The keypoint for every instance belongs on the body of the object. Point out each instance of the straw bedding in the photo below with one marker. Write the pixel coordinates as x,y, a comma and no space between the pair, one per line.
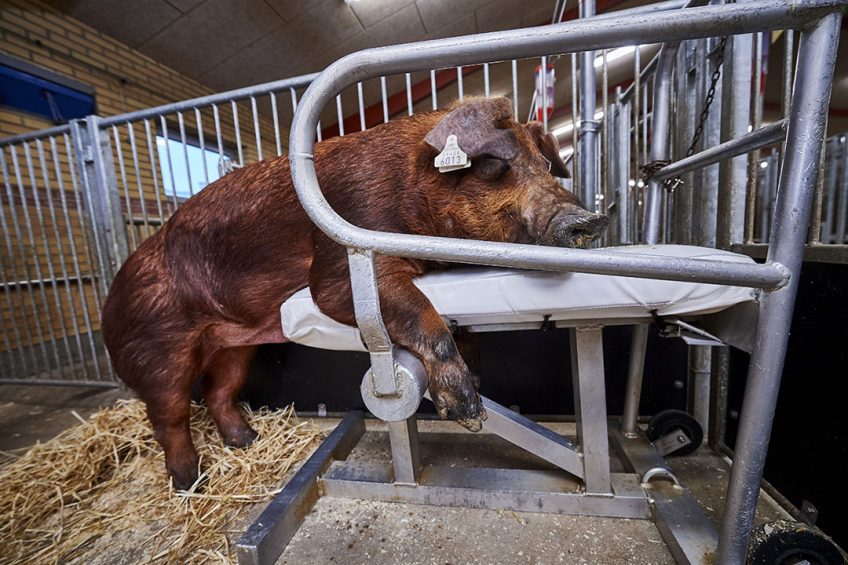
98,493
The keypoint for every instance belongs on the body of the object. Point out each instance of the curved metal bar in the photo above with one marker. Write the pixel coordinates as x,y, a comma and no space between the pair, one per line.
592,33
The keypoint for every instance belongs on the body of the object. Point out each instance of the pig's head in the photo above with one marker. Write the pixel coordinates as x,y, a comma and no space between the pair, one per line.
510,192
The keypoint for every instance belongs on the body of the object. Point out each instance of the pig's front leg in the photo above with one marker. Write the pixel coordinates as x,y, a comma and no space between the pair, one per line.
412,323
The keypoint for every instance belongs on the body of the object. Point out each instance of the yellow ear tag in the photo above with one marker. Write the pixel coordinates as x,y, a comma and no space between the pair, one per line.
451,158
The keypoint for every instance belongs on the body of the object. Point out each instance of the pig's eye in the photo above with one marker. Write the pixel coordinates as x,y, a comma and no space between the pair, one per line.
490,168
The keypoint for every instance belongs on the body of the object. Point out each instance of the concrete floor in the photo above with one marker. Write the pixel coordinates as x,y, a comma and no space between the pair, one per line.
354,531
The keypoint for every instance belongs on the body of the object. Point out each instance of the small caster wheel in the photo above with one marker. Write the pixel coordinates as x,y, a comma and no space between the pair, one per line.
665,422
789,543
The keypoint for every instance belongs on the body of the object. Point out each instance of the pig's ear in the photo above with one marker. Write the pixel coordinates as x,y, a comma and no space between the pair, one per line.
481,126
547,144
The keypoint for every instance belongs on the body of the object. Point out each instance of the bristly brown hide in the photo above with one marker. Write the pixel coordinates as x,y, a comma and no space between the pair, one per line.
199,295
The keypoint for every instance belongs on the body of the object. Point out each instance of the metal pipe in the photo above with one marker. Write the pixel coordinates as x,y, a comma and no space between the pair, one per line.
588,155
756,112
119,151
340,115
360,96
459,83
433,94
660,140
486,89
219,98
735,112
843,196
763,137
635,371
575,101
256,129
758,15
181,123
153,168
237,129
385,100
514,88
276,117
646,73
137,168
167,139
808,116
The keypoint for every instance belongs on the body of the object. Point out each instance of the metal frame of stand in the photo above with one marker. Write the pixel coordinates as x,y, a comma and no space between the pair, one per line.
689,535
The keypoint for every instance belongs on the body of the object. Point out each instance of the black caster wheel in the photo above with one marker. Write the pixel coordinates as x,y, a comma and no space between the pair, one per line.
790,543
665,422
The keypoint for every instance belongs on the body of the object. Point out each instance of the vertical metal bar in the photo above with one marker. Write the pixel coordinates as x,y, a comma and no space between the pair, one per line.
788,74
433,93
830,192
256,130
97,172
635,372
663,78
340,115
575,122
459,83
361,99
293,100
624,189
318,133
234,107
842,218
605,161
486,88
185,151
408,78
49,333
63,268
276,117
30,342
154,170
756,112
167,139
119,150
406,458
86,314
385,99
735,111
13,372
808,118
515,87
202,141
91,258
141,198
544,83
588,157
817,226
590,407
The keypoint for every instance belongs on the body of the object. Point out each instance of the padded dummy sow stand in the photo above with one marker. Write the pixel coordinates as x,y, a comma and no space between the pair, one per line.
689,535
494,299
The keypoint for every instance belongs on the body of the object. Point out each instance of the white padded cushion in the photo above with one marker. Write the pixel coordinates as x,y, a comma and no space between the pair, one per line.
490,295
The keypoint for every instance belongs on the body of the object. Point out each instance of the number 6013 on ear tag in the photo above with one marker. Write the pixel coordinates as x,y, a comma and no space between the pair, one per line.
451,158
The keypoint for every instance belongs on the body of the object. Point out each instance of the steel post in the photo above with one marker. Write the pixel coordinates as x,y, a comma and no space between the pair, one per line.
100,186
808,117
635,371
735,112
587,154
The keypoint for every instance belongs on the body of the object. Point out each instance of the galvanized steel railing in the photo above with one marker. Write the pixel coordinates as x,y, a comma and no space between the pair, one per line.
819,23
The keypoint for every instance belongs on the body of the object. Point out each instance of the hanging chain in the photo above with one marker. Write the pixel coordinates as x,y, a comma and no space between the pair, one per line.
650,169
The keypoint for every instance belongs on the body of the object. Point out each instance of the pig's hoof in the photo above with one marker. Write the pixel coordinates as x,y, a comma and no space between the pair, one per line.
470,414
184,480
240,438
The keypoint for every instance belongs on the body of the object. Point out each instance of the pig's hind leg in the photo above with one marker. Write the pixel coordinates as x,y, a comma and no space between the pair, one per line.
224,378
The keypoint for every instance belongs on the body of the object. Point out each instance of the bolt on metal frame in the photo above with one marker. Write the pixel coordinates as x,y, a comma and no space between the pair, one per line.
818,22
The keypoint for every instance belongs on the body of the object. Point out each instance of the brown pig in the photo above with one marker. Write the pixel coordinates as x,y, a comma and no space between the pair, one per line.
196,298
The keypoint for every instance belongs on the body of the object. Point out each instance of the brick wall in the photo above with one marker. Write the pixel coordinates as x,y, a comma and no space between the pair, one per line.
125,80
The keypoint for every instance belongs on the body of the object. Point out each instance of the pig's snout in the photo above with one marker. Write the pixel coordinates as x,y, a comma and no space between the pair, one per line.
576,230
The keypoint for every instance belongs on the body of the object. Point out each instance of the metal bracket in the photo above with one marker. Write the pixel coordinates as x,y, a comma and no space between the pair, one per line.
671,442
